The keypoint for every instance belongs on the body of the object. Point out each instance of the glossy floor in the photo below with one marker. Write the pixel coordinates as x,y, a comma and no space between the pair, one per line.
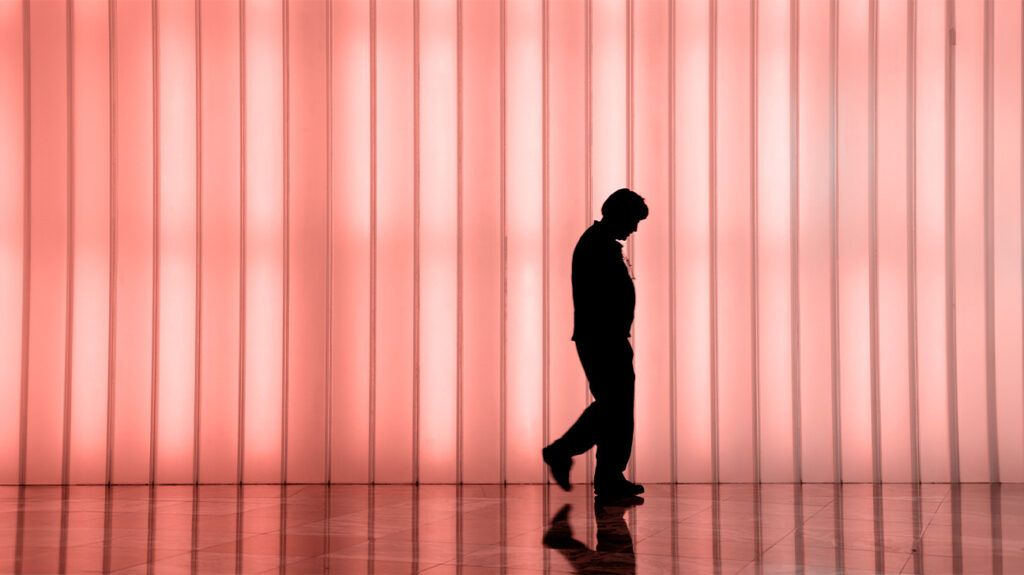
518,529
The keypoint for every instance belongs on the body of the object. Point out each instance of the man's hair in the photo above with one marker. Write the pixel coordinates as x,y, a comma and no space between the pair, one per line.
625,203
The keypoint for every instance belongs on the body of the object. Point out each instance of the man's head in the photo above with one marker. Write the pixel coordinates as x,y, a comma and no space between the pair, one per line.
622,211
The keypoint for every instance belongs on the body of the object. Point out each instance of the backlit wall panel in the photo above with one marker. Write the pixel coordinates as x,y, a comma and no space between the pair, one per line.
47,307
691,159
13,157
892,210
1007,66
936,423
330,240
129,404
438,245
352,44
91,231
525,241
774,415
814,263
263,229
220,248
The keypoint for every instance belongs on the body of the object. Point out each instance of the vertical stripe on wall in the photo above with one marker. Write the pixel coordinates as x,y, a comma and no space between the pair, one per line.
286,244
912,344
876,427
434,158
460,290
713,236
329,296
673,364
755,372
112,251
154,341
952,402
69,73
242,184
833,204
503,239
197,373
794,236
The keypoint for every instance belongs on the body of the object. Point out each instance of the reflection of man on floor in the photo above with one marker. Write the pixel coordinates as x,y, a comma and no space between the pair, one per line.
603,301
614,553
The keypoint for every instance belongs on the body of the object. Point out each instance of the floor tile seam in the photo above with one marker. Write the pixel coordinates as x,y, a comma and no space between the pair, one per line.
761,554
919,537
147,562
853,547
820,509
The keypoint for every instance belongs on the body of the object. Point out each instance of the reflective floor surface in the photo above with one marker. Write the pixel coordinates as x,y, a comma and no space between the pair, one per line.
516,529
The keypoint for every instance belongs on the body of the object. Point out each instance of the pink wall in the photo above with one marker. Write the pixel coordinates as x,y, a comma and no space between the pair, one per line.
314,241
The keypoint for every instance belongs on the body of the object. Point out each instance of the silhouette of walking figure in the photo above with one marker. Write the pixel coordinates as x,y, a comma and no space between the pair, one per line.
603,302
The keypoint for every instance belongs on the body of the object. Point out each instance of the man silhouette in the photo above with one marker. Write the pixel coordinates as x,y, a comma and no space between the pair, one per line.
603,301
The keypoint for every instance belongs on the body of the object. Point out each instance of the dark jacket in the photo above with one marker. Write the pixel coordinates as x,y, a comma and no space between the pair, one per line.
602,290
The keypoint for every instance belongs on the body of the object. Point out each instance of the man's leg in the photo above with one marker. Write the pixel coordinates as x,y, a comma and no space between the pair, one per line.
616,395
615,442
580,437
584,433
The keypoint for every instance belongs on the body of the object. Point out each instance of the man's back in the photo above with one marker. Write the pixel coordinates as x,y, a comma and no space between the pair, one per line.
602,290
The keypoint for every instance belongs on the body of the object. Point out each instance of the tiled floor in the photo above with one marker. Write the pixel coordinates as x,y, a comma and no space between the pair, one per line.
516,530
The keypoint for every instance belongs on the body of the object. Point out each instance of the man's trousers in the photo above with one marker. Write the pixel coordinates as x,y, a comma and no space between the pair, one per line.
608,421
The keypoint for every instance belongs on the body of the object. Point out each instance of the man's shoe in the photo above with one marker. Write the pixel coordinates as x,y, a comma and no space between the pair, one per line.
560,464
617,488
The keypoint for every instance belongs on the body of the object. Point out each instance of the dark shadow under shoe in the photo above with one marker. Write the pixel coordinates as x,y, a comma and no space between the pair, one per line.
560,464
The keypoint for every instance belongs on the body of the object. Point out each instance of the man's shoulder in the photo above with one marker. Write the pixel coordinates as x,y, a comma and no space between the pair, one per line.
593,238
594,251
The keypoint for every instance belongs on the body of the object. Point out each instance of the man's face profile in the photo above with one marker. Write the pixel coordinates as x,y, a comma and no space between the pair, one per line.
621,228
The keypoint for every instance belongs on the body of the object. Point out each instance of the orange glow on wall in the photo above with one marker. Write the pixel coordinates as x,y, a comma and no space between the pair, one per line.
330,240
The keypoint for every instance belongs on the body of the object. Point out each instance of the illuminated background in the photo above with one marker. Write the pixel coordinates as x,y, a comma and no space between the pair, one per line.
312,242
